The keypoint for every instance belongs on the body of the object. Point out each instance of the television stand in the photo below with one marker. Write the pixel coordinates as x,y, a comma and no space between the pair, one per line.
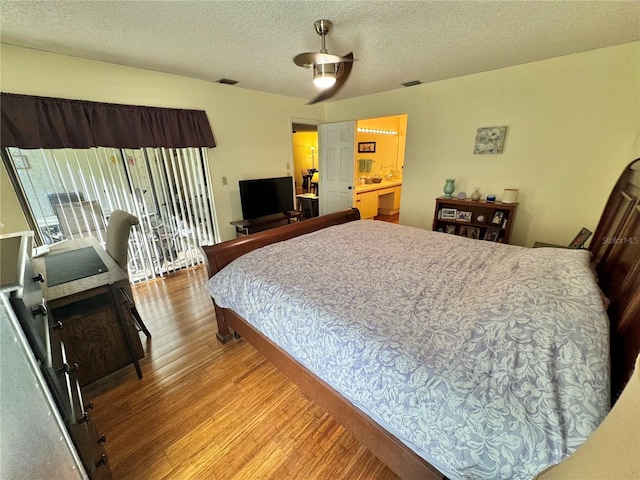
253,225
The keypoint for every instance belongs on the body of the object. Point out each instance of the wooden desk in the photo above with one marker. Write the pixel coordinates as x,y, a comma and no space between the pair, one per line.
98,330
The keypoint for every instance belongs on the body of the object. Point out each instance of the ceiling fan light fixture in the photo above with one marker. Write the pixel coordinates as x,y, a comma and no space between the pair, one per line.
324,75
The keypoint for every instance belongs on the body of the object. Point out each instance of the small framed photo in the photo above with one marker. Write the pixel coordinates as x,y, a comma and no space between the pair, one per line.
463,216
492,234
473,233
366,147
451,229
449,214
498,217
582,237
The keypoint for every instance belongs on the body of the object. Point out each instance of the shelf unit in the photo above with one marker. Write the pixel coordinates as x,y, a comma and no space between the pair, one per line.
483,220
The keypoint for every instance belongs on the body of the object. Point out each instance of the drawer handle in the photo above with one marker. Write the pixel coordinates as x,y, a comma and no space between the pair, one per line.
58,325
102,439
84,418
89,406
102,461
39,278
40,310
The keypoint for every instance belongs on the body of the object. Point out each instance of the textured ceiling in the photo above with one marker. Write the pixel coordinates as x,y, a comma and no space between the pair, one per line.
254,42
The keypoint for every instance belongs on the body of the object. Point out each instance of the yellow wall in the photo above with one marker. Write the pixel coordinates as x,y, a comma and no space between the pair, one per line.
302,144
572,124
388,157
252,129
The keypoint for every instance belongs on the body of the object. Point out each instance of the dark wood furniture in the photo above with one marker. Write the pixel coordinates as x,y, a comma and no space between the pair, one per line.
481,225
57,375
253,225
99,331
616,251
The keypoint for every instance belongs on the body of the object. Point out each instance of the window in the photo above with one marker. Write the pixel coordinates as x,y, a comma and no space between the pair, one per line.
70,193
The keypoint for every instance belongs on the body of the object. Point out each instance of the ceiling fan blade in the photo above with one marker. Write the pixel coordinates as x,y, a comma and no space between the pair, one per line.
318,58
343,73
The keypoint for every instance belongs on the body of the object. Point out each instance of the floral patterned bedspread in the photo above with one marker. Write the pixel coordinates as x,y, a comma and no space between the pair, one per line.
488,360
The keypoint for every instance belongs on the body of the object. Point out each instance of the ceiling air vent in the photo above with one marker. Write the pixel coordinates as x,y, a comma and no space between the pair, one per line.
411,84
226,81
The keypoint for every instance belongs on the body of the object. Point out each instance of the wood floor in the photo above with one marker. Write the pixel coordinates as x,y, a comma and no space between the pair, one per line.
204,410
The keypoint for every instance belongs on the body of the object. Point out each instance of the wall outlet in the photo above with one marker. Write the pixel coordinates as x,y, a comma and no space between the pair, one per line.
224,180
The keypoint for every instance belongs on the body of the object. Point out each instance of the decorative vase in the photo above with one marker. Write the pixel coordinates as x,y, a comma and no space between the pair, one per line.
476,194
448,187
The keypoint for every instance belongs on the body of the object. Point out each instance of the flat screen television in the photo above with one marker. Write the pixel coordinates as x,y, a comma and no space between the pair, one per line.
266,196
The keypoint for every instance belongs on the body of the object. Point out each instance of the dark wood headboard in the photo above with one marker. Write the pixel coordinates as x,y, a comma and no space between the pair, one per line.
616,254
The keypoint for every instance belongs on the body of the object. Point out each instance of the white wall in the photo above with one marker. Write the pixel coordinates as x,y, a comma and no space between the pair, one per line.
252,129
573,124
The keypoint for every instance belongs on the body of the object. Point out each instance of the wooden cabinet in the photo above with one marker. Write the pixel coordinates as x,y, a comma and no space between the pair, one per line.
383,198
367,203
479,220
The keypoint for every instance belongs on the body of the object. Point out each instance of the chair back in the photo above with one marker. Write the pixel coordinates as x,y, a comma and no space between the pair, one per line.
118,230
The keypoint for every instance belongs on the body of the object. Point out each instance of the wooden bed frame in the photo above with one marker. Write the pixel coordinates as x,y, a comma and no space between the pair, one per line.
616,253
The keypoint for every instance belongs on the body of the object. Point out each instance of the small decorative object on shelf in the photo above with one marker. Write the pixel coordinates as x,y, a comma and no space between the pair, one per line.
462,195
448,187
491,198
475,196
510,195
481,219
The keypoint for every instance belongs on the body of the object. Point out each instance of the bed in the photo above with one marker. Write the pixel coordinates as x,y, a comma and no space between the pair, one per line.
445,356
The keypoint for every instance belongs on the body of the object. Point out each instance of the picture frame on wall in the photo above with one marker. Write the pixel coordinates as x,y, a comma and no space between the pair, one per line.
366,147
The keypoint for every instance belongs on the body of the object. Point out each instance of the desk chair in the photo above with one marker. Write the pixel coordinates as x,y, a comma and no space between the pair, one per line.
118,231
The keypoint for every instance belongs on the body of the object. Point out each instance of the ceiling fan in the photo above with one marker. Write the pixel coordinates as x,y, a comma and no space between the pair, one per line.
329,71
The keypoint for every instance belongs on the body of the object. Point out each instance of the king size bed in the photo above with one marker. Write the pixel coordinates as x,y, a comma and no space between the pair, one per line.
445,356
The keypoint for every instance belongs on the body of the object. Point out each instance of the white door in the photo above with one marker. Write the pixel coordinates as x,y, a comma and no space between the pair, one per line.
336,165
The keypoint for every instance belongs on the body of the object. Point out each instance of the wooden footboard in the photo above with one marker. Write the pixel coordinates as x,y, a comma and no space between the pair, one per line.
220,255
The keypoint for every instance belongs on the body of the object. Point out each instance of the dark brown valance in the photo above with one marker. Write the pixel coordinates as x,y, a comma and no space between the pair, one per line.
42,122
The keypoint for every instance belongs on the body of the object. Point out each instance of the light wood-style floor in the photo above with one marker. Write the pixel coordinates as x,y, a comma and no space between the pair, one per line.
204,410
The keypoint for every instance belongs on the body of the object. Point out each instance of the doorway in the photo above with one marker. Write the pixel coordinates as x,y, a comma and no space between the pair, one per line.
304,147
379,142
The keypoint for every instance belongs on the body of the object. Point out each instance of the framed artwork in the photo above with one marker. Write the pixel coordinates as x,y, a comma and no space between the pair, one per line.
492,234
450,229
366,147
582,237
463,216
448,214
490,140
